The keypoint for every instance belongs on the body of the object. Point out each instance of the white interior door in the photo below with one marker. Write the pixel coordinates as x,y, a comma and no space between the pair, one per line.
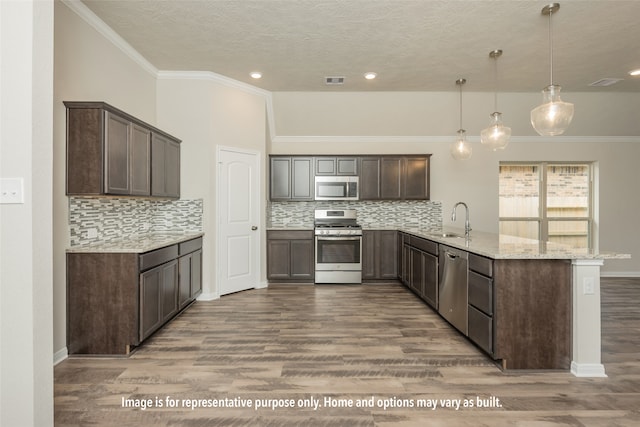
238,220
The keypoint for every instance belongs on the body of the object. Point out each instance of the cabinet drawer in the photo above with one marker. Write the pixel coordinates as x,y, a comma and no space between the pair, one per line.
481,292
290,234
159,256
424,245
190,246
481,264
481,329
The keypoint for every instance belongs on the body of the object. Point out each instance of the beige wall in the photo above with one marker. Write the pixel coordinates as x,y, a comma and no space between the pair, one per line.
438,113
205,113
387,123
88,67
26,92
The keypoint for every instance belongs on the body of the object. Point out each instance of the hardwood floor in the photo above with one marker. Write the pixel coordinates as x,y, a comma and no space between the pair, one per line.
338,345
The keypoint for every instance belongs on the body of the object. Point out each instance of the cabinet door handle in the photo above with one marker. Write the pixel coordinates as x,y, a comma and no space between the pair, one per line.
254,228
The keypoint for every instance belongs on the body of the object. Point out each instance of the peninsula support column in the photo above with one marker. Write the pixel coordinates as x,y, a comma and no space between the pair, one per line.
587,347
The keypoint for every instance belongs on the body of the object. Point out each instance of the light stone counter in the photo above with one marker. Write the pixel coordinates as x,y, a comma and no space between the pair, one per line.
501,246
491,245
135,244
290,228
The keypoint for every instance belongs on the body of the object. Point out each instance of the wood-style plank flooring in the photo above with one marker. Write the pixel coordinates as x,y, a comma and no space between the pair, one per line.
291,343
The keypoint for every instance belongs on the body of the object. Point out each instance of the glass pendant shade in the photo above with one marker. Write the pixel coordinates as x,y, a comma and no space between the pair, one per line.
554,115
496,136
461,149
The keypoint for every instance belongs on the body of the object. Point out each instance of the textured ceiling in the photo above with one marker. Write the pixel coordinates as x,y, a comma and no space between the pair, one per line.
413,45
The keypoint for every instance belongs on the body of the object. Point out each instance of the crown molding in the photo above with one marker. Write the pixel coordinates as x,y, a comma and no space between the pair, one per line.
227,82
447,139
100,26
213,77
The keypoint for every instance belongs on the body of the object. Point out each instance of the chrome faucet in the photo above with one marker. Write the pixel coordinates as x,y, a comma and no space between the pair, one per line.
467,225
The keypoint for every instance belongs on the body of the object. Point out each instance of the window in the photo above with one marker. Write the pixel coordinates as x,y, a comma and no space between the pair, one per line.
551,202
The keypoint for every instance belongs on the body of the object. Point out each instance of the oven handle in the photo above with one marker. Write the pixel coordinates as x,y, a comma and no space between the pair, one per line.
338,238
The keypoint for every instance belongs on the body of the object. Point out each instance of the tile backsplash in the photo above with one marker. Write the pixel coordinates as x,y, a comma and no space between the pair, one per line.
371,214
108,219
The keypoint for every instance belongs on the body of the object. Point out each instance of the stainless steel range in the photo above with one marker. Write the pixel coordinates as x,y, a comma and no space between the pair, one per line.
338,246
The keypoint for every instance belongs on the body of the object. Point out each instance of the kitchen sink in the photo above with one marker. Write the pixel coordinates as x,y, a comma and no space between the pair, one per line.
460,236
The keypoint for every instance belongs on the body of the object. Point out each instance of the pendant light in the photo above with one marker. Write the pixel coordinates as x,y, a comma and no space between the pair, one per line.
461,149
553,116
496,136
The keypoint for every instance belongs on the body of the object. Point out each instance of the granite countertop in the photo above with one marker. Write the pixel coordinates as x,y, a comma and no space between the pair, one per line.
298,227
496,246
135,244
501,246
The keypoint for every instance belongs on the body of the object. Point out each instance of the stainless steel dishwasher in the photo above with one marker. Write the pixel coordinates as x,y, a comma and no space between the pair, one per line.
453,296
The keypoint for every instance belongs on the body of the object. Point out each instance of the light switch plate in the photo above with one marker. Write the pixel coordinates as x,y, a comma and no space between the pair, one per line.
11,190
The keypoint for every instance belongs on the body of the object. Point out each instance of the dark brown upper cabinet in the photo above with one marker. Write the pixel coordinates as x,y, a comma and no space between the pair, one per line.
337,166
291,178
110,152
165,167
381,177
394,177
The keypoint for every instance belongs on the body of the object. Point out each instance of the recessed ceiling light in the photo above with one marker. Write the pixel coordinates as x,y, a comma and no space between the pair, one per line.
370,75
256,74
635,72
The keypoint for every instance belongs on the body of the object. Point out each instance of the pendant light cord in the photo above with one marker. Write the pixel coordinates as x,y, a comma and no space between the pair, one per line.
495,83
550,49
460,105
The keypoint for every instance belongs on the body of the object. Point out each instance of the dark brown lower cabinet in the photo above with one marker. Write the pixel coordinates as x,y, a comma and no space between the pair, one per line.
430,286
420,268
158,297
290,256
379,255
189,278
116,300
481,329
480,298
416,281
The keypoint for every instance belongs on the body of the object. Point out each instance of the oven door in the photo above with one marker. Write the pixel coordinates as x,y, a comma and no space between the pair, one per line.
338,253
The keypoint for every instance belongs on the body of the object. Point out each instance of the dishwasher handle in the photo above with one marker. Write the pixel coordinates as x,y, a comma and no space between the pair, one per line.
450,255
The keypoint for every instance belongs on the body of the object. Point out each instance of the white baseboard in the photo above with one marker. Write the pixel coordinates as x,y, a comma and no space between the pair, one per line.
588,370
262,285
208,296
619,273
60,355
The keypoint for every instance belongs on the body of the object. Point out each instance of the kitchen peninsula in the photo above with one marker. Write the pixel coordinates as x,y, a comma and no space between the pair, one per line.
543,299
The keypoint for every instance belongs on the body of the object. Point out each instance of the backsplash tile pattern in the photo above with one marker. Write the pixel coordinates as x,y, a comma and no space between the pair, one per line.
117,218
424,214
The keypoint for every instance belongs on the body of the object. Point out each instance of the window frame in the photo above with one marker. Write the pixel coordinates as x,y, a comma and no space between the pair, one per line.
543,218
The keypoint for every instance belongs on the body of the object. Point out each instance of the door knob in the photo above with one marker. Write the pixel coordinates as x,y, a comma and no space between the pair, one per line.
254,228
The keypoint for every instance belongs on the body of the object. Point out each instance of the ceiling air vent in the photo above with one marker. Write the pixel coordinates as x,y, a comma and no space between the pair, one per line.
605,82
334,80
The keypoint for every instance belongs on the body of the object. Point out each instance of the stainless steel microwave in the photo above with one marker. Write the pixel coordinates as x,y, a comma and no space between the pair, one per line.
336,188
